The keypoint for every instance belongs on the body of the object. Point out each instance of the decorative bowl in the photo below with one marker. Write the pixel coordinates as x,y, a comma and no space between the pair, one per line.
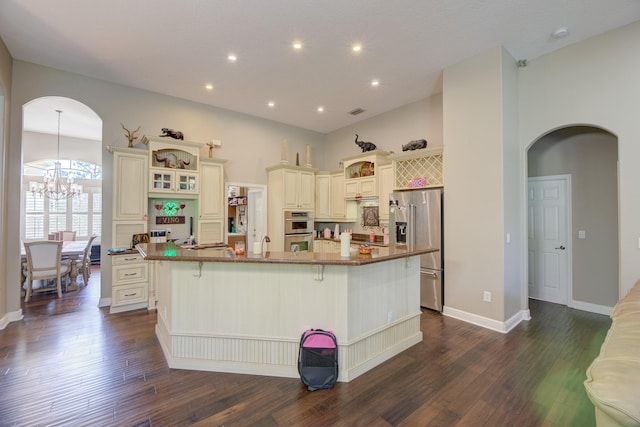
365,250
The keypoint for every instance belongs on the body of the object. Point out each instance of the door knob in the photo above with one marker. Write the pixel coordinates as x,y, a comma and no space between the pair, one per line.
561,248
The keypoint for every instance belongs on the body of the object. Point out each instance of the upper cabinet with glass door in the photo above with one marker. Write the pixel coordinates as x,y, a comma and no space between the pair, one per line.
173,167
361,174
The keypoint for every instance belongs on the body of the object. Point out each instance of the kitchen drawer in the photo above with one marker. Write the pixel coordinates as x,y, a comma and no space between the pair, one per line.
123,274
129,294
126,259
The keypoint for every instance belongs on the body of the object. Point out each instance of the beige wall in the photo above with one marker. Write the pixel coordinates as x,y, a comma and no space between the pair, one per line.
596,83
515,298
590,156
389,131
40,146
249,143
476,140
6,63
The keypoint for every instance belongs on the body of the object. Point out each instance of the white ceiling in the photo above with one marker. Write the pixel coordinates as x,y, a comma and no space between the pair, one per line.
175,47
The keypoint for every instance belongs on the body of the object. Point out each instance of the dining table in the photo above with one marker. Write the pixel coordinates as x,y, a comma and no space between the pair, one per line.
71,250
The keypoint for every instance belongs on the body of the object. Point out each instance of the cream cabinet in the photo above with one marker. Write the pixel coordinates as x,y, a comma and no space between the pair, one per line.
130,282
361,174
326,246
320,246
293,185
170,182
424,166
290,188
211,203
173,167
360,187
323,197
338,204
129,184
299,189
385,186
331,204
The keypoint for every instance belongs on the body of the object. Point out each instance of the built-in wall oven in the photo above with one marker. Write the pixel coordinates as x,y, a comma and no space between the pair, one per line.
298,231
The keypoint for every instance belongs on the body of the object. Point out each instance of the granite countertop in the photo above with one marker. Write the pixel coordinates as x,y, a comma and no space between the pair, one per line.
123,252
171,252
357,241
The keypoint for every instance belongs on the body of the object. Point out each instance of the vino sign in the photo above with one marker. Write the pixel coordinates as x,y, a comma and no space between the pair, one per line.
168,220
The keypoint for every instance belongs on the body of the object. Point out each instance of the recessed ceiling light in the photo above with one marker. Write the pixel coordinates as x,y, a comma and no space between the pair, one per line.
232,57
297,45
375,83
356,47
208,86
271,104
560,33
320,109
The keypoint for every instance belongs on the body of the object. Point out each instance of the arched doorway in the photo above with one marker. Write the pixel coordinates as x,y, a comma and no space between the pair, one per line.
65,131
588,155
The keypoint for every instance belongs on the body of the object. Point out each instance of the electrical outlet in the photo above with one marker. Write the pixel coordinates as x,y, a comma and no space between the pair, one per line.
487,296
390,317
169,230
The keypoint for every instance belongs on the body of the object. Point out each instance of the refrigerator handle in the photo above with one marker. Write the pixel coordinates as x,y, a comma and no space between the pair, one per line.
411,226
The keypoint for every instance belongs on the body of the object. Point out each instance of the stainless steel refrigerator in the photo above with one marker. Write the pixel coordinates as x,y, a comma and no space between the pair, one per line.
416,217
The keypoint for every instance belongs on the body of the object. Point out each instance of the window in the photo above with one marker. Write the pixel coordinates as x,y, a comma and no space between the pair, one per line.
81,214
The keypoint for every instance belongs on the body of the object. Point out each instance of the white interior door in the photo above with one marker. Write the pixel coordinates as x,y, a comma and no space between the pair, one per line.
256,220
256,208
549,218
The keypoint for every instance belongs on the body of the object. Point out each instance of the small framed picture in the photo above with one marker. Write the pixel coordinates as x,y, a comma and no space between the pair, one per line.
370,217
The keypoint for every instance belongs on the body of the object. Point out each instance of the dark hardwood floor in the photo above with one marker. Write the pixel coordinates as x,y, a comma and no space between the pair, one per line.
70,363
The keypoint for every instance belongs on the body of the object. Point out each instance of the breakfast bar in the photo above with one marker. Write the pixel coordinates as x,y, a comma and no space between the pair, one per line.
218,311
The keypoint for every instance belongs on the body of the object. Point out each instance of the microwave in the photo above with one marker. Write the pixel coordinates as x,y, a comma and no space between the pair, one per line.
296,222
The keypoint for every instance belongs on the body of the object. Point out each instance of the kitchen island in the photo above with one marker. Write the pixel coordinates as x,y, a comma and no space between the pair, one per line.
245,314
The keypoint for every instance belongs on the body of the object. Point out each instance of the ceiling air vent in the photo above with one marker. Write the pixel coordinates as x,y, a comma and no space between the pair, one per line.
356,111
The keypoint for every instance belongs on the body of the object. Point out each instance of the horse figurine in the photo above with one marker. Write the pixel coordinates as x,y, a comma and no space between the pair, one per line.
366,146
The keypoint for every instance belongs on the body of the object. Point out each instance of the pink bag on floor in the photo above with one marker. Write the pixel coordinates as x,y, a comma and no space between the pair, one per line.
318,359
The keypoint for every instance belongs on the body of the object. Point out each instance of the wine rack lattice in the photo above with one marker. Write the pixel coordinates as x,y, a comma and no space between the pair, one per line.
428,167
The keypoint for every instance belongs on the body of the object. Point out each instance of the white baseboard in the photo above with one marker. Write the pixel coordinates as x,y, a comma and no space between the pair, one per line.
593,308
128,307
11,316
485,322
104,302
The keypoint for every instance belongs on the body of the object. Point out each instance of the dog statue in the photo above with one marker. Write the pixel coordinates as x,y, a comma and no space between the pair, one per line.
366,146
175,134
416,144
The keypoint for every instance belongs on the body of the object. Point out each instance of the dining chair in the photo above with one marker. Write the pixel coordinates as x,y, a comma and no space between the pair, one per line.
44,262
68,236
84,263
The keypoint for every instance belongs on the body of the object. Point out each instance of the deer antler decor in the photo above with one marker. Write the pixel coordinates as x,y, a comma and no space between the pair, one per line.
131,135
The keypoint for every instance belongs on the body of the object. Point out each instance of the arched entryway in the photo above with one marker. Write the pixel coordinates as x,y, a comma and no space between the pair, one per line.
588,156
59,130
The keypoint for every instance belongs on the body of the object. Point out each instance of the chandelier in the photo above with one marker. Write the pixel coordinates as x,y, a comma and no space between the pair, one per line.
55,186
